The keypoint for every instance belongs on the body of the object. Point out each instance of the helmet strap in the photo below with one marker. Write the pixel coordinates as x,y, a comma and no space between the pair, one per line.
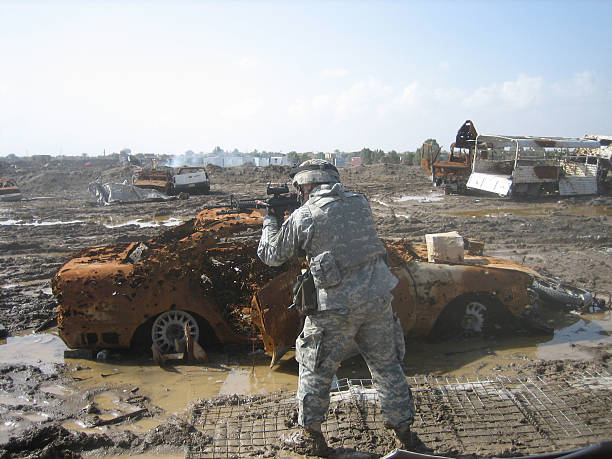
301,199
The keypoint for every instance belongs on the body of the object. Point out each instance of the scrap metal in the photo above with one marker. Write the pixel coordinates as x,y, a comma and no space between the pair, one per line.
208,267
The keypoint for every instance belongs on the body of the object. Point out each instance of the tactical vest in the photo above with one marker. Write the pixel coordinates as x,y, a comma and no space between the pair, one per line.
345,234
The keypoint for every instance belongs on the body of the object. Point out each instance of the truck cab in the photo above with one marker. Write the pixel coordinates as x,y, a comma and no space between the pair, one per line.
191,179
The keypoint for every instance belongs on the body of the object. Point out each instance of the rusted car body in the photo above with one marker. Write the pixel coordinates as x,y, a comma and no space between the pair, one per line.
454,172
9,191
154,179
205,274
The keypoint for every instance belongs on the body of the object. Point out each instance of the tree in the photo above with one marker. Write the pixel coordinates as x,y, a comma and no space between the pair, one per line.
366,156
293,157
378,156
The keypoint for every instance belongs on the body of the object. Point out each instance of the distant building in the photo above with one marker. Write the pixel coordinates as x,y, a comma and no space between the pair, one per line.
261,162
356,161
278,160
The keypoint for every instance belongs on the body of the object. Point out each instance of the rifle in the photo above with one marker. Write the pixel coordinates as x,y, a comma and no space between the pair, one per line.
280,202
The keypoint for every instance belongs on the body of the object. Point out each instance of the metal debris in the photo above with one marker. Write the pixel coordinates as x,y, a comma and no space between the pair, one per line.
486,416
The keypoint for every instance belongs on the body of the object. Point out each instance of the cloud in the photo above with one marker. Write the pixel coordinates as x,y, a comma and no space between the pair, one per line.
409,96
579,85
522,92
363,97
322,101
449,95
334,73
519,93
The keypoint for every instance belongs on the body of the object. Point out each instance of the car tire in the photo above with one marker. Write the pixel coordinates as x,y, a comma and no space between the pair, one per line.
561,293
169,326
473,316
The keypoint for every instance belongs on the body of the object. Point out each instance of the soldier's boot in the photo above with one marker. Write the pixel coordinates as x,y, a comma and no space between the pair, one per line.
403,434
306,440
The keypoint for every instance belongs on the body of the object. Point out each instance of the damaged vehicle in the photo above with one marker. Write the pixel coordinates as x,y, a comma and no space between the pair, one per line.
191,179
453,172
153,179
520,166
205,277
9,191
525,166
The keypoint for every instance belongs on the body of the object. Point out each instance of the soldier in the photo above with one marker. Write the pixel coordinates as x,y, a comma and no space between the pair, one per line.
336,231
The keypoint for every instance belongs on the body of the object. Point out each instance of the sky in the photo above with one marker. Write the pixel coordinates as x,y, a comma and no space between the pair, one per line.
170,76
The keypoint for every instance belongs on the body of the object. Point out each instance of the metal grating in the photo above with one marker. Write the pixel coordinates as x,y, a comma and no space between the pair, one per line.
484,416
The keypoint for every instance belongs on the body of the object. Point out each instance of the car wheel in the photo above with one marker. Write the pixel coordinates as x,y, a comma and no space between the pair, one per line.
473,320
472,316
169,326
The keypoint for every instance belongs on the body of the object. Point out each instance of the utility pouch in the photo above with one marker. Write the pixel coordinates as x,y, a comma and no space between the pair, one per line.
305,294
325,270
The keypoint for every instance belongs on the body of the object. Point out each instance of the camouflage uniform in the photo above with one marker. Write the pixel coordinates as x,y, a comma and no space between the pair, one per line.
336,230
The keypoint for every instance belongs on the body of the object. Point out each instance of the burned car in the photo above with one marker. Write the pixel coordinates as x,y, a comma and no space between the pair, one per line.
205,276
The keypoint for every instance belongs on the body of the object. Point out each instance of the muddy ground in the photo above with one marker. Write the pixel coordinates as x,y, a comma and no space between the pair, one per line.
568,238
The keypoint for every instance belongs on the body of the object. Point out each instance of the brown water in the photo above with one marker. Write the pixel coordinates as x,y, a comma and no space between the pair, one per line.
174,388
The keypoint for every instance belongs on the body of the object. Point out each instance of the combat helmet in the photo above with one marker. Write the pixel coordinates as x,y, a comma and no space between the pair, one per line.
314,171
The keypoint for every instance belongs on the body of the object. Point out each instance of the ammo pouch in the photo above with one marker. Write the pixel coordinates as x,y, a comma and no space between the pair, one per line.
325,270
305,294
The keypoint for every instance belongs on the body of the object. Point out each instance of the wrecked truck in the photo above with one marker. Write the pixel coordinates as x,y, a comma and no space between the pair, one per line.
526,166
204,276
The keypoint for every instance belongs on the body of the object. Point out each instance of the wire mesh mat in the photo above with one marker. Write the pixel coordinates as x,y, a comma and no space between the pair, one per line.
482,416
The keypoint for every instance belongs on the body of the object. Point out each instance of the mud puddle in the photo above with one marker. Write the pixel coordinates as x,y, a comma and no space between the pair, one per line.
11,222
141,223
39,350
113,386
432,197
109,222
580,340
174,387
425,198
537,210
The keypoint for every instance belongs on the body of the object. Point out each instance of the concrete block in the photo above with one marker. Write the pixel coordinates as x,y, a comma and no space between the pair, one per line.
444,247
